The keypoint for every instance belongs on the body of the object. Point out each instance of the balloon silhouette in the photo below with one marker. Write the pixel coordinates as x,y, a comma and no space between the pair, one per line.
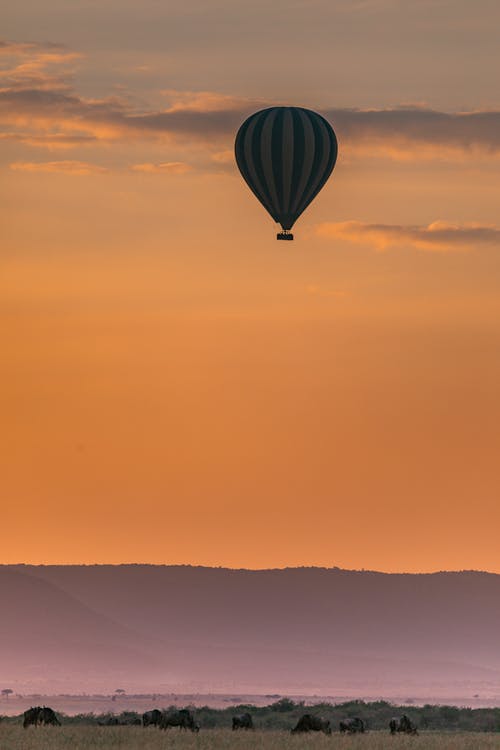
285,155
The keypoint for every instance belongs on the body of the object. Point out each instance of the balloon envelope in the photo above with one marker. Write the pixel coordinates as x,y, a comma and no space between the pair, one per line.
285,155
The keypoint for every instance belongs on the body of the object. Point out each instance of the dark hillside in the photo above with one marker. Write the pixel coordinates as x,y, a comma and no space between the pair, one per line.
302,630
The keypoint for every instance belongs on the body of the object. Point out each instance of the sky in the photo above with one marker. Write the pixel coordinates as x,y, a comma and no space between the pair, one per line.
177,387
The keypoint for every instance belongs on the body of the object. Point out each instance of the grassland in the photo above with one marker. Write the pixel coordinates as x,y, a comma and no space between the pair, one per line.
14,737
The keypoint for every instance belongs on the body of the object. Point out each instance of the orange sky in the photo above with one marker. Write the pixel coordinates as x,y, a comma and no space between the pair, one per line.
177,387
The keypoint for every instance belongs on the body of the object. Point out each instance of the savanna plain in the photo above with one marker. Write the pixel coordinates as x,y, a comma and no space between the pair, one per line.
14,737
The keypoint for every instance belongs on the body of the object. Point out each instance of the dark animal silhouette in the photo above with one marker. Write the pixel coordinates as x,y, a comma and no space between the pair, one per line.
30,716
182,719
243,721
47,716
111,721
310,723
151,718
403,724
38,715
352,726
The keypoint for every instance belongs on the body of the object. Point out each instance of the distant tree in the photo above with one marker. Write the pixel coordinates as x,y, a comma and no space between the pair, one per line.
283,705
120,691
7,692
449,714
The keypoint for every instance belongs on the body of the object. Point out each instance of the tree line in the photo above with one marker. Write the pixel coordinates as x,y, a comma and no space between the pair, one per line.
283,713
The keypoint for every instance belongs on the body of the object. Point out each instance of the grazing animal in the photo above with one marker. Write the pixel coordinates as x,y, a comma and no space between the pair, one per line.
310,723
403,724
39,715
151,718
111,721
30,716
182,719
47,716
352,726
243,721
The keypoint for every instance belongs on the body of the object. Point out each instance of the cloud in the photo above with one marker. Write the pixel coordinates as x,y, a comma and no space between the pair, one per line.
38,112
52,141
168,167
85,168
224,157
207,101
439,236
63,167
39,106
29,65
417,132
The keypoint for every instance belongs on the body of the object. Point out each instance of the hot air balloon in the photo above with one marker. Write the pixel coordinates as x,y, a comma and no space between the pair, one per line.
285,155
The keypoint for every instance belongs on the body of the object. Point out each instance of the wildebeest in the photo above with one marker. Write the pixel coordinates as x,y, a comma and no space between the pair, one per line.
47,716
111,721
310,723
404,724
352,726
183,718
38,715
243,721
151,718
31,716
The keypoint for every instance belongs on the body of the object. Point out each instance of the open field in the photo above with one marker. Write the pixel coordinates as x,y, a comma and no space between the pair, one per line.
14,737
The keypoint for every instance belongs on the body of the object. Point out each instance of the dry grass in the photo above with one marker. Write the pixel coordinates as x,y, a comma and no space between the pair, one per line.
135,738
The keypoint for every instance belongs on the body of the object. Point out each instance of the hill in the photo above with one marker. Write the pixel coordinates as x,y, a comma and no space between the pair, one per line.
302,630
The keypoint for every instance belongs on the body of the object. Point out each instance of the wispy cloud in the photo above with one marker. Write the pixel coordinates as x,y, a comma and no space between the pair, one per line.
63,167
417,132
29,65
39,106
51,141
37,112
207,101
439,236
168,167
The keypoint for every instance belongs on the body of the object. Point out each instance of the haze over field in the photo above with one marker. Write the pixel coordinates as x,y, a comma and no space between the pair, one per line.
79,629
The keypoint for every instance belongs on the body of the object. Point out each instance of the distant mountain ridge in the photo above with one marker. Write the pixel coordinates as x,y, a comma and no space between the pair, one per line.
214,629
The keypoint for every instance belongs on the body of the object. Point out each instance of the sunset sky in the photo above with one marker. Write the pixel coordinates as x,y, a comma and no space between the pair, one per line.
178,387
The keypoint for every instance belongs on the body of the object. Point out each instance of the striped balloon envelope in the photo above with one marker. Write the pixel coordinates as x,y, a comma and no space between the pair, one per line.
285,155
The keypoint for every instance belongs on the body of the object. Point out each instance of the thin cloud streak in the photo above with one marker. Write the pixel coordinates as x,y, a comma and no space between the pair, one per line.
439,236
63,167
207,101
51,142
169,167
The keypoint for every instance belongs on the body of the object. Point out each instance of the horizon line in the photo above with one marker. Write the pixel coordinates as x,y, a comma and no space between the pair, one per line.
247,569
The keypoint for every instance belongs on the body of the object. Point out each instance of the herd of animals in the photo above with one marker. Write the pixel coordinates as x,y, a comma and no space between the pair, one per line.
184,719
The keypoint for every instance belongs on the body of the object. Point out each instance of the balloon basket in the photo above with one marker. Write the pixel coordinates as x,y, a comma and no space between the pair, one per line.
284,236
